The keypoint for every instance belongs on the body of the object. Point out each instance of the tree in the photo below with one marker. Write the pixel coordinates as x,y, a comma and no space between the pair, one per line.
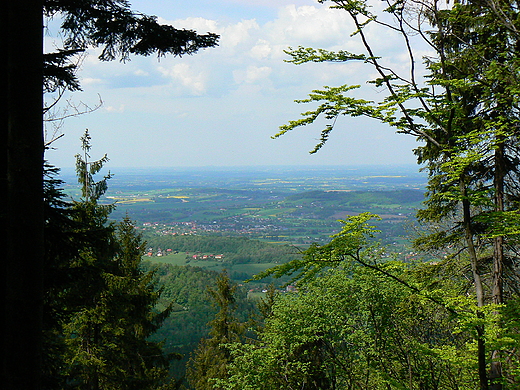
22,188
464,110
107,339
211,358
386,325
63,241
353,327
478,167
100,303
120,32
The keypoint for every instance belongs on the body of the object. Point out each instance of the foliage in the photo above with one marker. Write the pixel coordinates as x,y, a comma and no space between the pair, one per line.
107,337
26,71
118,30
85,170
62,234
465,111
454,326
186,287
100,304
211,358
356,329
347,244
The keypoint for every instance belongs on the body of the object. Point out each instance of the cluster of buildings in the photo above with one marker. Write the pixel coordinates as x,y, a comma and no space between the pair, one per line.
160,252
197,256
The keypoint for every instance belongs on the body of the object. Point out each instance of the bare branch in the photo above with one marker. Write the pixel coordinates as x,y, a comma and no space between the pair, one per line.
55,116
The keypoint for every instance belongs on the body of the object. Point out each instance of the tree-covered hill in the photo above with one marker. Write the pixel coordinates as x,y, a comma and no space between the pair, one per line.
187,287
236,250
352,200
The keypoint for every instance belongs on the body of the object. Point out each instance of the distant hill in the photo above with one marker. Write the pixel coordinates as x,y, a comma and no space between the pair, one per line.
361,198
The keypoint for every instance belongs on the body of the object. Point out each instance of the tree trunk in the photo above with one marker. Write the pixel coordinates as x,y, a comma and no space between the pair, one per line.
479,290
497,292
24,261
473,258
498,244
3,184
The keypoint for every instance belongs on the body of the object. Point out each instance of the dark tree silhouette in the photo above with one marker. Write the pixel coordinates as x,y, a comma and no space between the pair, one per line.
26,74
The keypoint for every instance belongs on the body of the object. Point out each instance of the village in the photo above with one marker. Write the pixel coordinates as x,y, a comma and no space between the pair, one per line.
151,252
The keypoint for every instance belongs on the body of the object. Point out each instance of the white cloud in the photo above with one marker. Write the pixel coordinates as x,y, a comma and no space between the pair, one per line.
267,3
241,32
201,25
141,73
242,86
112,109
308,25
194,81
261,50
91,81
252,74
231,35
252,53
249,52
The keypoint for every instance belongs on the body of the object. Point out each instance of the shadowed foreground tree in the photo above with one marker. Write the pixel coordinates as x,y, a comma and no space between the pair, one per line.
100,306
22,194
26,74
211,358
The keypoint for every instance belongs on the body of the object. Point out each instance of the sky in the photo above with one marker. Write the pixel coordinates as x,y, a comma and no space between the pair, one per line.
222,105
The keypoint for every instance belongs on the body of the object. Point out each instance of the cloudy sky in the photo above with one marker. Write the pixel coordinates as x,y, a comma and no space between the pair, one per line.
221,106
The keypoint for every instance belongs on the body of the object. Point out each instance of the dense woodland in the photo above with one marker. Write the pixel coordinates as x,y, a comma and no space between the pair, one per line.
194,309
81,309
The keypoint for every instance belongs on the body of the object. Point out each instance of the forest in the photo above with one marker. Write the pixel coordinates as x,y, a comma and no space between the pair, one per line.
82,310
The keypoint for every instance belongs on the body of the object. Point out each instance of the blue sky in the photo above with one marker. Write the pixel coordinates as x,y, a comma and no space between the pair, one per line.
221,106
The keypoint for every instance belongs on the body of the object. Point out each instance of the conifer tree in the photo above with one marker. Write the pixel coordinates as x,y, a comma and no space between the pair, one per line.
212,356
63,242
105,306
120,32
